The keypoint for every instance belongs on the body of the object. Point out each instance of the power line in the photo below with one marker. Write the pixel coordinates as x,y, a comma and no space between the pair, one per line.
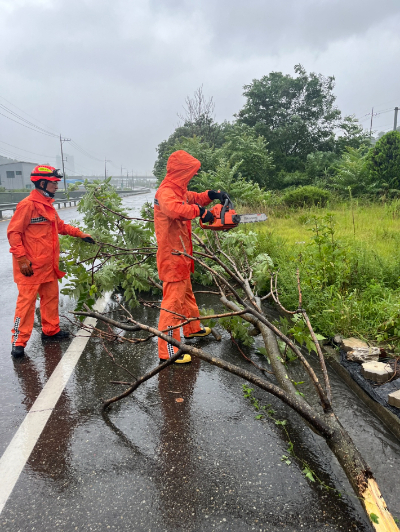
365,117
19,109
34,153
40,129
20,120
37,131
84,167
30,125
73,171
8,154
84,152
387,102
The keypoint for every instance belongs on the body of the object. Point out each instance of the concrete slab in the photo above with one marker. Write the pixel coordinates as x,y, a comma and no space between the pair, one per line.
363,354
348,344
394,399
378,372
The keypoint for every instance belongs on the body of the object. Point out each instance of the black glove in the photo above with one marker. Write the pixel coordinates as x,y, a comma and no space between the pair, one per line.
205,215
219,195
89,240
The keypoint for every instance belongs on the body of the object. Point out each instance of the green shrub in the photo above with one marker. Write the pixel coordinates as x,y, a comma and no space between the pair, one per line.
351,173
383,161
227,178
346,287
294,179
306,196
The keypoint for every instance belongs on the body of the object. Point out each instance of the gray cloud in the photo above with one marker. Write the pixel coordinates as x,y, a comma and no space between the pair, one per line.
113,75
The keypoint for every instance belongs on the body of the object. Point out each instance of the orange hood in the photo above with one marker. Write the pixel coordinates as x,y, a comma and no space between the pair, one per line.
181,167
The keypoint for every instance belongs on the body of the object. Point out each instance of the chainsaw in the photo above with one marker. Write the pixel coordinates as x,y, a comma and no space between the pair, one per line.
226,218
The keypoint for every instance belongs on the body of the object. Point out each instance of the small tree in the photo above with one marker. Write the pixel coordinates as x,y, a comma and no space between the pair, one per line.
351,173
197,121
245,147
383,161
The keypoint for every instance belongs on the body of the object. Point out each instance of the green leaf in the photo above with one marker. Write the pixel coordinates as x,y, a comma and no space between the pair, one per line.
308,474
259,416
374,518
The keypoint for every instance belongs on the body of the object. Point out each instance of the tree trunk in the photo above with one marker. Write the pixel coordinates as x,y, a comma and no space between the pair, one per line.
360,476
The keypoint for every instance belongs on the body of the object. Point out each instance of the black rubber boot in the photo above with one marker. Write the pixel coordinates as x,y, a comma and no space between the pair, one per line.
61,335
17,351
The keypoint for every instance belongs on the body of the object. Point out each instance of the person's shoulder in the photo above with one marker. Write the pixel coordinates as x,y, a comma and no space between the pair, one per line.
25,203
165,192
27,199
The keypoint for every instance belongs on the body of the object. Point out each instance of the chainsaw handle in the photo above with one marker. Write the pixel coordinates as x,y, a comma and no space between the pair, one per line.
227,206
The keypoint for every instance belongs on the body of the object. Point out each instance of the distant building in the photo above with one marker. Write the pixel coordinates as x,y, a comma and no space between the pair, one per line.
16,174
69,163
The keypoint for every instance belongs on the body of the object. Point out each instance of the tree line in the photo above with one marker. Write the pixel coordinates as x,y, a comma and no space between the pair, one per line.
289,133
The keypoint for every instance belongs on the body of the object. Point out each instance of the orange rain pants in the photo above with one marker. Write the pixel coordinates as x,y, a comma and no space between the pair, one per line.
25,311
177,297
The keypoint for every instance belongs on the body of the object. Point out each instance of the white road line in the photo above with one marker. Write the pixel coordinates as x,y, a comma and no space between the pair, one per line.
18,451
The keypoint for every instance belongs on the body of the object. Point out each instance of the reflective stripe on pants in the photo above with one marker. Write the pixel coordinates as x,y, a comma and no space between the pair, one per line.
177,297
25,311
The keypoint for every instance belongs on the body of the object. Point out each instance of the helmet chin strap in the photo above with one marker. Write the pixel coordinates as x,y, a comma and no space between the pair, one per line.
45,191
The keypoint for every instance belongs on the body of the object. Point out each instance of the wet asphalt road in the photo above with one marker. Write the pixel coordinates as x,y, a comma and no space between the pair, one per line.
155,464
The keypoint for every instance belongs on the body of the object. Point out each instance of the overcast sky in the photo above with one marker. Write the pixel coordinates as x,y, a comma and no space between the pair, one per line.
113,74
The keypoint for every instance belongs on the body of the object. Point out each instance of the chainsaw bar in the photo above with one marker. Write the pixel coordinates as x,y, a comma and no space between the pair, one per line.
250,218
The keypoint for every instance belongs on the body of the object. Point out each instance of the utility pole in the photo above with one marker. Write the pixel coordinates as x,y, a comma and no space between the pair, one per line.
396,110
122,179
372,117
105,167
62,160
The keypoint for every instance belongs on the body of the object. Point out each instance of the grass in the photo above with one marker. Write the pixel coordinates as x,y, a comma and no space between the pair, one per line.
350,270
376,227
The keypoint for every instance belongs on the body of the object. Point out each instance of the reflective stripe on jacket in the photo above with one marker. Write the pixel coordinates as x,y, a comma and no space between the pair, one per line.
33,232
174,208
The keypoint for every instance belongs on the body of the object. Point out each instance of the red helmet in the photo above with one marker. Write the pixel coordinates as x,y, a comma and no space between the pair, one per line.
45,172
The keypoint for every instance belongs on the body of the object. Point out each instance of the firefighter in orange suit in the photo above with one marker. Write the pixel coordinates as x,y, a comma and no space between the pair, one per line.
33,235
174,208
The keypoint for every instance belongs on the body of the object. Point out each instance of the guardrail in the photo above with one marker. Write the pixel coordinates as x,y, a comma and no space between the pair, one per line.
7,207
58,202
70,201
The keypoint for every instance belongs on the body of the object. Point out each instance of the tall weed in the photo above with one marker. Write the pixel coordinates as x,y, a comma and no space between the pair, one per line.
347,287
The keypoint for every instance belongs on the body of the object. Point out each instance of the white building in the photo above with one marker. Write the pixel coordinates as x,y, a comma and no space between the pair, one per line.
16,174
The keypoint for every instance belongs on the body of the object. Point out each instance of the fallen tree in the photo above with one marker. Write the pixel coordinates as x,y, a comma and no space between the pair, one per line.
226,260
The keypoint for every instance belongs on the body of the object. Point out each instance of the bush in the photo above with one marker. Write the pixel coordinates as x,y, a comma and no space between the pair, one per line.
294,179
227,178
347,288
352,173
307,196
383,161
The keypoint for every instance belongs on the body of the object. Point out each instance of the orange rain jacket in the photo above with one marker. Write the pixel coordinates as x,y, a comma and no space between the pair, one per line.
174,208
33,232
